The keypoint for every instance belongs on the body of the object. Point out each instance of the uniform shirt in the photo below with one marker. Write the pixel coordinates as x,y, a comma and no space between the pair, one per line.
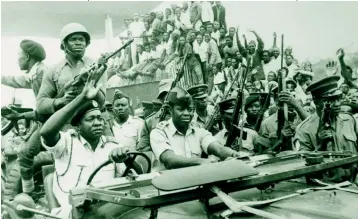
30,81
345,133
55,79
128,133
247,144
149,124
75,161
166,137
198,121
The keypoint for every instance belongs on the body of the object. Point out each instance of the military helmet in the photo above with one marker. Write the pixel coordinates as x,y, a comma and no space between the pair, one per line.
72,28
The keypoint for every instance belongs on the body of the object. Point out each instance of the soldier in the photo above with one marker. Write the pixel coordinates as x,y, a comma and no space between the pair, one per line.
311,135
86,142
174,149
30,60
203,111
151,122
147,108
53,95
157,104
126,128
268,130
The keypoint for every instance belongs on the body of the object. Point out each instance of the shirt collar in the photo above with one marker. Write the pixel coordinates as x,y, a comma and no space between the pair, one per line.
173,130
65,62
129,121
87,145
33,70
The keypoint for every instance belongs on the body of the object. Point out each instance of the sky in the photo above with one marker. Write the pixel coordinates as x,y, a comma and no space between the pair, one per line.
315,30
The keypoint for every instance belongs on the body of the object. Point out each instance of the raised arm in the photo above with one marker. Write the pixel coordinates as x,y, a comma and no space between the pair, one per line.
50,131
345,74
20,81
274,40
242,49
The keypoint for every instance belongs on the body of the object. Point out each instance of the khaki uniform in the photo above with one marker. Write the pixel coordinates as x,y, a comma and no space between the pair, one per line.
198,121
128,134
345,133
269,127
166,137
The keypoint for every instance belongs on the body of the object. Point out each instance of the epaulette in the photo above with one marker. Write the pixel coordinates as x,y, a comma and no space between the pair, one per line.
162,125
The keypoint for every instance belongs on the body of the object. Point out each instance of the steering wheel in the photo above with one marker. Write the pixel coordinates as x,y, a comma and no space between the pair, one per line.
129,162
7,128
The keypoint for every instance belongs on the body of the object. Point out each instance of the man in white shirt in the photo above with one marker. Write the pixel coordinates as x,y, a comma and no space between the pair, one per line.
126,128
207,15
216,32
291,66
79,152
182,21
136,28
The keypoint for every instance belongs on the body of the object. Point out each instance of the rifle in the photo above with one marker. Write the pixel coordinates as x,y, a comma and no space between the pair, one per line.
282,112
8,110
211,121
239,105
80,80
180,73
325,123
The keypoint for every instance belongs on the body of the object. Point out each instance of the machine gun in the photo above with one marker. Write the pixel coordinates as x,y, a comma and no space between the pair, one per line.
80,80
8,110
238,106
211,121
164,110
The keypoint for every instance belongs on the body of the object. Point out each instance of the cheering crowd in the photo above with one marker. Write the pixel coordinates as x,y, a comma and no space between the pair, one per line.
230,101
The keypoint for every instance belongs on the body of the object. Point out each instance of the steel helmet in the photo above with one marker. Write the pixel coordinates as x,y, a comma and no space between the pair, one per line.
74,28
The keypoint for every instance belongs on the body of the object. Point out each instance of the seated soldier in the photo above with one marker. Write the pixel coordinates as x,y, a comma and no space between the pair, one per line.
203,111
77,153
328,129
176,150
254,104
268,130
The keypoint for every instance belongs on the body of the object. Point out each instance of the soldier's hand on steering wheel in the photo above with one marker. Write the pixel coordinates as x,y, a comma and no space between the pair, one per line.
119,155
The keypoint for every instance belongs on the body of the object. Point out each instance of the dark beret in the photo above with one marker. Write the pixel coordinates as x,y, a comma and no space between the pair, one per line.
227,105
118,94
178,96
34,49
85,108
255,97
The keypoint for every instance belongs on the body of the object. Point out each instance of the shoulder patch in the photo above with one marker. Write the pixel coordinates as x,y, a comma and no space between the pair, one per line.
162,125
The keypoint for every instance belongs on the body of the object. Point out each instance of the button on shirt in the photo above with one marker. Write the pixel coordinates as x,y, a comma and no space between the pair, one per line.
166,137
75,161
128,133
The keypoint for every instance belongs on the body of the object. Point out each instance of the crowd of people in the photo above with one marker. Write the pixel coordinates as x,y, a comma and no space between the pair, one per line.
222,76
